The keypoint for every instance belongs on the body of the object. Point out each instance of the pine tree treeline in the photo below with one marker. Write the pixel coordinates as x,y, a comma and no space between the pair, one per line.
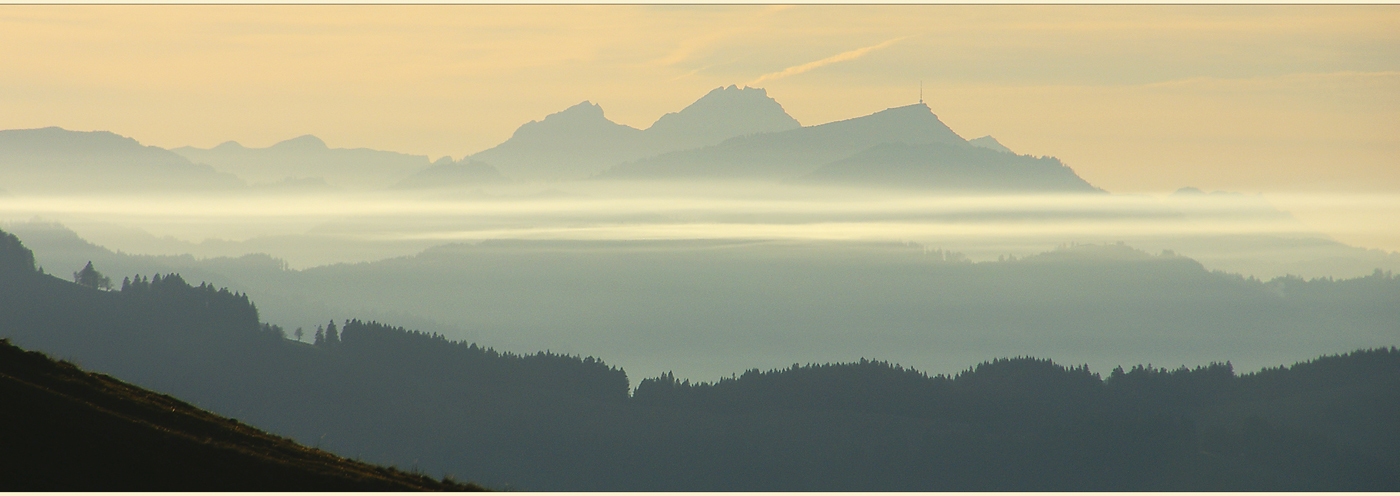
379,343
177,301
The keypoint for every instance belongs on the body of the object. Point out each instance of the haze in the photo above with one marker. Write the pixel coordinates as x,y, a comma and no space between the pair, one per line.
489,172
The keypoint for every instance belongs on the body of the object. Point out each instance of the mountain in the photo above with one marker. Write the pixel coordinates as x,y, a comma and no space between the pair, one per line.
795,152
989,143
306,158
946,167
579,141
65,429
570,144
56,160
721,114
447,173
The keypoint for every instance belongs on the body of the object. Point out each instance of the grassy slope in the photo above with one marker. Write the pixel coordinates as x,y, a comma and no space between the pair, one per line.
62,428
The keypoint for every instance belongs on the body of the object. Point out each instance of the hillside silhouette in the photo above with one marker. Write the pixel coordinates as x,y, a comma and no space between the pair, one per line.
307,158
548,421
53,159
794,152
65,429
580,141
937,166
989,143
729,133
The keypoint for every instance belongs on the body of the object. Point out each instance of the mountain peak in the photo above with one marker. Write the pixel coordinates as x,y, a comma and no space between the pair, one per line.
304,142
915,123
583,112
989,143
725,112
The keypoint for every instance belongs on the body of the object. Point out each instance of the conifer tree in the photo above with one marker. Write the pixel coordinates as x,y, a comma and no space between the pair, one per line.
91,278
332,337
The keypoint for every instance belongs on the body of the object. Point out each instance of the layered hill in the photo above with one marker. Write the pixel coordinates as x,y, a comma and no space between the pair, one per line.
580,141
308,157
555,422
66,429
56,160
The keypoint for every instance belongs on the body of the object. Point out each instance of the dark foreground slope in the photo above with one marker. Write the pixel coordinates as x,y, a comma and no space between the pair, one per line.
62,428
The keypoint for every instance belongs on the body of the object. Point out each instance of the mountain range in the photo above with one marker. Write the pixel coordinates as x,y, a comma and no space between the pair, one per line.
729,133
307,157
741,133
580,141
903,147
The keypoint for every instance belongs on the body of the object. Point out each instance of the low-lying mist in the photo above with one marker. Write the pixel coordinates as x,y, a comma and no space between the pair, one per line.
714,279
308,229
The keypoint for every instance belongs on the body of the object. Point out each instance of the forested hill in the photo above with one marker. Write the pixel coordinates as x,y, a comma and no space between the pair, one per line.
380,394
551,422
65,429
1326,423
413,356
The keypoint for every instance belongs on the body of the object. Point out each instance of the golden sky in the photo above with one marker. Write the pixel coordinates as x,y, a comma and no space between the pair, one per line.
1134,98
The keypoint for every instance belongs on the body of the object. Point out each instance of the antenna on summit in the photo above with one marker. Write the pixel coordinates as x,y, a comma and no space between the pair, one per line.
921,91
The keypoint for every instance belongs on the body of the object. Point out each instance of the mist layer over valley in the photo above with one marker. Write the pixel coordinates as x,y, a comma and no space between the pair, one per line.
726,236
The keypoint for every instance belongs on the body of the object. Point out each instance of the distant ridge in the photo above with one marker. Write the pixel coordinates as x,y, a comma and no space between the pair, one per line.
795,152
568,144
989,143
307,156
941,167
54,159
447,173
580,141
721,114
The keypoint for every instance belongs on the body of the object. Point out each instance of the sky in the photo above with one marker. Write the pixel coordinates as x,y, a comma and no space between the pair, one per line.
1137,99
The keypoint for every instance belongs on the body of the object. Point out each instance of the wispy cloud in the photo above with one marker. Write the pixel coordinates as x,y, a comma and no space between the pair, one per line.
840,57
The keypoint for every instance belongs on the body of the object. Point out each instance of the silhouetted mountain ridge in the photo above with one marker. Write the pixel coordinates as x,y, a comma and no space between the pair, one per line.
305,157
721,114
787,154
989,143
943,167
53,159
580,141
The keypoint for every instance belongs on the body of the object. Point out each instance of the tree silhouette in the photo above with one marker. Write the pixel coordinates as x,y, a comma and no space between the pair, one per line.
332,336
91,278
